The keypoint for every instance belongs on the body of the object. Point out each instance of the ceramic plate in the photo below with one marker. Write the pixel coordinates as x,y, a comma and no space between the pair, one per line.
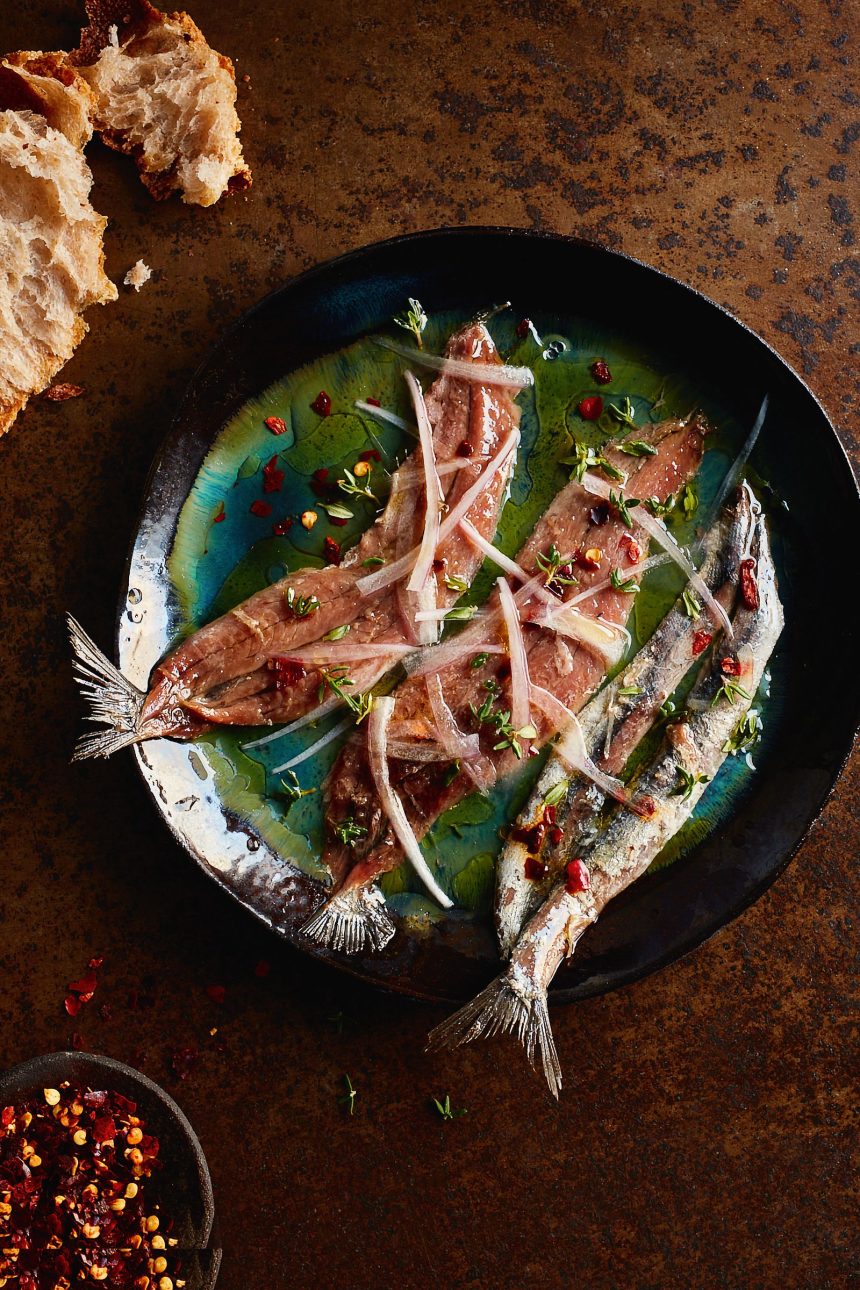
204,543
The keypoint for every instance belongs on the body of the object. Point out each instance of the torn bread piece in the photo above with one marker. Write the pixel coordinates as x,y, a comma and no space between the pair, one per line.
138,274
48,84
51,252
165,98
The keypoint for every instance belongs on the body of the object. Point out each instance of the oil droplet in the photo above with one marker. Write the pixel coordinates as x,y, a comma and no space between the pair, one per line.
135,615
275,572
555,346
186,803
253,844
135,596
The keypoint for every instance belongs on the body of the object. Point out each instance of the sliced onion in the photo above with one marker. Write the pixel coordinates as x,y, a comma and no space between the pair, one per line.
337,652
429,661
661,535
316,714
517,654
571,747
428,617
377,738
433,494
451,737
464,369
607,640
314,748
410,476
492,552
371,583
386,417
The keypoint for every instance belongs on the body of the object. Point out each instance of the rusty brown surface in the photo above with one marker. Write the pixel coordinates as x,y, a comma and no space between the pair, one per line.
706,1133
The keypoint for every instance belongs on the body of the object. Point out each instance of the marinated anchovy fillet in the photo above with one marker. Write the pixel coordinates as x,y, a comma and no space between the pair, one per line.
222,674
589,540
690,756
563,808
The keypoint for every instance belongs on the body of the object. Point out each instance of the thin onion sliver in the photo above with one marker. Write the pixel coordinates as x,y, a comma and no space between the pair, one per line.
463,369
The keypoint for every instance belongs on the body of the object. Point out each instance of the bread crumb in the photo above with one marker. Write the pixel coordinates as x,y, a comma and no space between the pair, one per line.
137,275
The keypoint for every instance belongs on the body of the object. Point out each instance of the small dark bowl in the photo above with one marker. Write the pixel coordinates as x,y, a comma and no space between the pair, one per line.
185,1187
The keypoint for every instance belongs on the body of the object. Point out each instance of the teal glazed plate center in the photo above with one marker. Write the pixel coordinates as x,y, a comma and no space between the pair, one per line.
220,521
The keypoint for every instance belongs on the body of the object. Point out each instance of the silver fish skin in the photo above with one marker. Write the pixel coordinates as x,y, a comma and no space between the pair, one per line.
516,1002
614,725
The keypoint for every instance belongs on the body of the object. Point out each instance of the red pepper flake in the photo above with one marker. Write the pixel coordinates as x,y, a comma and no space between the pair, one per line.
276,424
591,409
372,454
701,641
282,527
104,1129
523,328
263,967
217,993
534,868
374,403
749,585
273,478
95,964
644,806
221,515
86,986
61,391
7,1115
288,672
632,547
576,877
585,560
555,834
600,371
730,667
465,448
439,564
531,836
322,404
261,509
322,486
72,1004
331,551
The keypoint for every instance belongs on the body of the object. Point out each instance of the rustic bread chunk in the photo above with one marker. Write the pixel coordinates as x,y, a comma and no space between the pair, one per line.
164,97
48,84
51,255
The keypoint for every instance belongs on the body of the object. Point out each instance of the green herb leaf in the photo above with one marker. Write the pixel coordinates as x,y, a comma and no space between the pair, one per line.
692,605
336,633
348,832
628,585
637,448
623,505
413,319
446,1110
688,782
478,661
372,562
689,500
555,567
335,511
293,790
455,583
461,614
730,691
624,414
745,735
300,606
667,709
338,680
354,487
627,690
555,795
585,458
657,508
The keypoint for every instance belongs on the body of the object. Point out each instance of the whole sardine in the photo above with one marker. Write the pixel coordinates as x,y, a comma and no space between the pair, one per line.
222,674
614,723
354,917
690,756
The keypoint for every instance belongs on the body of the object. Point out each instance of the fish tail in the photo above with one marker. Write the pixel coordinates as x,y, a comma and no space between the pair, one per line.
114,702
504,1009
354,921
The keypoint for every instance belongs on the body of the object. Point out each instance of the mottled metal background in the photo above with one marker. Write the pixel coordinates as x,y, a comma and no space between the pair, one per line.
706,1133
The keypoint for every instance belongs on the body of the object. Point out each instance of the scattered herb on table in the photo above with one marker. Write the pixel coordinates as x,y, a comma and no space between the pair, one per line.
348,1099
446,1110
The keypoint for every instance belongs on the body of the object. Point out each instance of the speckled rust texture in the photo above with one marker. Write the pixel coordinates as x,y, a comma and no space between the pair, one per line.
706,1134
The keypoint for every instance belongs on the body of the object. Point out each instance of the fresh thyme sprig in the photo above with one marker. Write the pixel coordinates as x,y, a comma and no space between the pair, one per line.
446,1110
730,691
293,790
454,582
745,735
555,795
335,511
337,633
689,500
354,487
624,414
339,682
412,319
586,458
348,832
688,782
667,709
555,568
628,585
300,606
637,448
461,613
657,508
501,720
692,607
623,505
628,691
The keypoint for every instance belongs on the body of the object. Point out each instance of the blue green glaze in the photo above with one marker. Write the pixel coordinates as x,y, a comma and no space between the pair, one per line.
214,566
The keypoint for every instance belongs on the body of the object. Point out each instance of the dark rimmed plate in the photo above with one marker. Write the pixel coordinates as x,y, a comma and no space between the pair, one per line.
460,272
185,1186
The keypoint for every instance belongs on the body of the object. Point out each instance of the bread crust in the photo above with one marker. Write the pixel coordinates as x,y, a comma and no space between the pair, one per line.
51,85
137,27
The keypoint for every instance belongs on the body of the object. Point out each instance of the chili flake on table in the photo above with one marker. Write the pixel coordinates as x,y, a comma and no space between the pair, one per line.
76,1203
